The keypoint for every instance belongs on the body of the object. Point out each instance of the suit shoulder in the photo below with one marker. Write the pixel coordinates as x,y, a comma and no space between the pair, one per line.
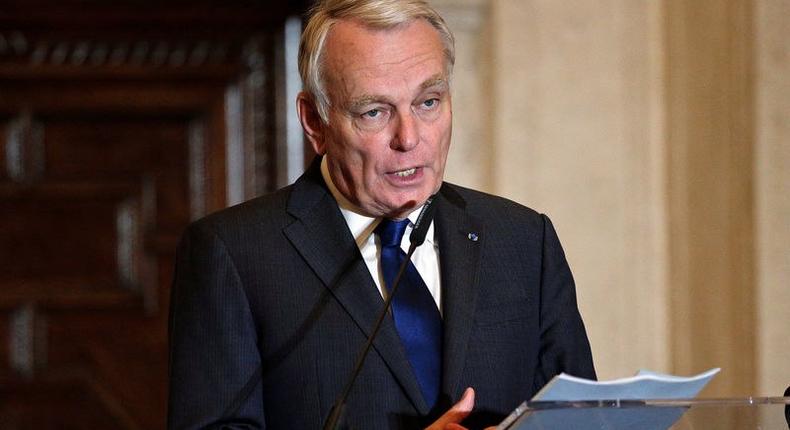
267,211
489,205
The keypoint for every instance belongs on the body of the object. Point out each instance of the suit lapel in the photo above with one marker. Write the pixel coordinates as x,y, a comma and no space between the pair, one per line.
322,238
460,238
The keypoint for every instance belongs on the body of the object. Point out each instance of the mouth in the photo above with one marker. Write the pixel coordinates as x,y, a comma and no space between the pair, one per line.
406,173
406,177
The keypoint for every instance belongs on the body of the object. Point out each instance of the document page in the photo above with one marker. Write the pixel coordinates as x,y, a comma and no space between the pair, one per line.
642,386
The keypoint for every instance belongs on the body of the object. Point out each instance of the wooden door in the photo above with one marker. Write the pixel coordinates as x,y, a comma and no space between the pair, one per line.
118,125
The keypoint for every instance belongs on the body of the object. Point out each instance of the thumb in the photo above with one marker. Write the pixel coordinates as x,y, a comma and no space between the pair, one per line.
457,413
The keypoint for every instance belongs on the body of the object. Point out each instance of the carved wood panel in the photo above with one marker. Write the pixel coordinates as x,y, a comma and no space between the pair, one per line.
116,130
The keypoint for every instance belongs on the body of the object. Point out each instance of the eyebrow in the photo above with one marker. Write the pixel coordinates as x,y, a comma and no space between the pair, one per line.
366,99
435,80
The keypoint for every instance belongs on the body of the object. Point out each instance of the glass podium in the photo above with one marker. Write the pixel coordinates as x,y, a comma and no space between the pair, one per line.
750,413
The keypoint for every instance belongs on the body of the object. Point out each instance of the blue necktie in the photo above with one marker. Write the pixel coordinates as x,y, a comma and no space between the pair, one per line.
417,318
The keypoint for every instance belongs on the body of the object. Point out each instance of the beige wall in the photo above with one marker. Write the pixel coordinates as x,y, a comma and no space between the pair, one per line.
642,130
773,194
710,146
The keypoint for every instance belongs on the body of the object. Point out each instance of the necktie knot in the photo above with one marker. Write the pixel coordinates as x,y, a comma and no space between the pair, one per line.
391,231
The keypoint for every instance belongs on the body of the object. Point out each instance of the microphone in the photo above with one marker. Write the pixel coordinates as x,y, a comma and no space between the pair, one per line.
416,238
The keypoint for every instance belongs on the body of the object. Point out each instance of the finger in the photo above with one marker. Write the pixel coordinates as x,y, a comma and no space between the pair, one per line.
467,402
457,413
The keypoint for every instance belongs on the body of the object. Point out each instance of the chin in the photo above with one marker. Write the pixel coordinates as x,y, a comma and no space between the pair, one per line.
406,206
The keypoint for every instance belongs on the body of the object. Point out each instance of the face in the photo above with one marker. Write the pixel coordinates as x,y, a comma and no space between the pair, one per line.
390,118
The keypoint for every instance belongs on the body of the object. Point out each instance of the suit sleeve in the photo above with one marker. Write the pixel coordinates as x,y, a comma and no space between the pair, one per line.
214,360
563,339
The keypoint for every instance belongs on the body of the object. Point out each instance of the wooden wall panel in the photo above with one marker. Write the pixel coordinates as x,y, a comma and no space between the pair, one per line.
115,128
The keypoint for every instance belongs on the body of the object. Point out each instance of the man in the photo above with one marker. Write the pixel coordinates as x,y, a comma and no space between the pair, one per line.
274,298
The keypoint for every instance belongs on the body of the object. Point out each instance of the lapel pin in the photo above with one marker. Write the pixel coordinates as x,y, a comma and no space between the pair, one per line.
472,236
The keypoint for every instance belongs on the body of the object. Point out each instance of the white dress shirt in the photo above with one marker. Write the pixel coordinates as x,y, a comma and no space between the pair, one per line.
425,257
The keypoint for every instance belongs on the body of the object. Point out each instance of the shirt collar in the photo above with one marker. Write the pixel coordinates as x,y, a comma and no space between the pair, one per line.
362,226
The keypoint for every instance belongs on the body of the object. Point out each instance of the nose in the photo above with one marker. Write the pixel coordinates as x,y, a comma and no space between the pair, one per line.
407,134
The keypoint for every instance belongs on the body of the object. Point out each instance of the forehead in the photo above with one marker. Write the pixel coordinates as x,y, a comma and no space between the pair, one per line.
360,58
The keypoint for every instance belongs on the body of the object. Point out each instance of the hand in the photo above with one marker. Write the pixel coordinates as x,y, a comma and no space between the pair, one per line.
451,419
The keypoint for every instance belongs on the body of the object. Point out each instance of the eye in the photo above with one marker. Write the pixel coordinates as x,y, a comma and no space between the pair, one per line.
430,103
372,119
373,113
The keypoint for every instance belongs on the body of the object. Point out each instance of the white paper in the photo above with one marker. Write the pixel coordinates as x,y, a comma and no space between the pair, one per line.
645,385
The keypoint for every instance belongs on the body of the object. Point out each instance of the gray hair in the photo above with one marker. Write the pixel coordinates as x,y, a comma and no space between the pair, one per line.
380,14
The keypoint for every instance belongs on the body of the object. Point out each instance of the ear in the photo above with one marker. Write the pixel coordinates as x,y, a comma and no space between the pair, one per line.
311,121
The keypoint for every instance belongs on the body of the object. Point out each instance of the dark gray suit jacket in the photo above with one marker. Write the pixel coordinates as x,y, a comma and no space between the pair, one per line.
272,301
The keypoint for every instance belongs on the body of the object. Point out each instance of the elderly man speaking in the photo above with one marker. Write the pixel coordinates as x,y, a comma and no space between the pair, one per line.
273,299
